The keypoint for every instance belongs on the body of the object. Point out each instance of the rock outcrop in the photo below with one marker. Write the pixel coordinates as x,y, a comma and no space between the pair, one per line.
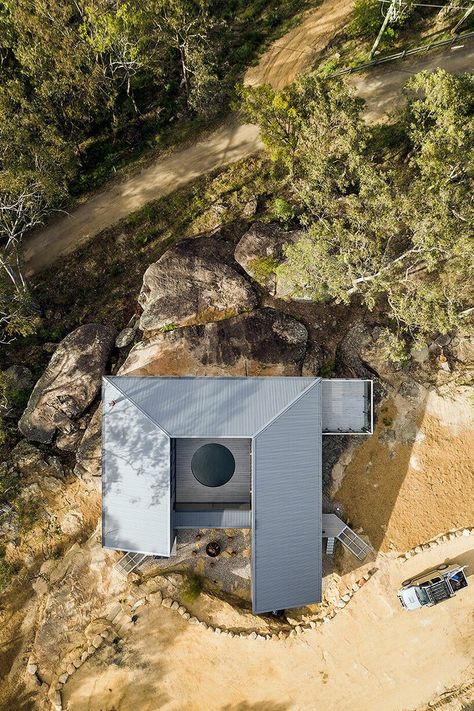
261,250
88,455
265,342
193,283
69,384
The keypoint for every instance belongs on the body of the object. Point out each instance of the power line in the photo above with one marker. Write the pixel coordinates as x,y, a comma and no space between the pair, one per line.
441,7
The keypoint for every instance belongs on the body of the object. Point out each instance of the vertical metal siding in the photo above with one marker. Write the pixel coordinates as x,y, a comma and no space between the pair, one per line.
136,505
224,518
286,506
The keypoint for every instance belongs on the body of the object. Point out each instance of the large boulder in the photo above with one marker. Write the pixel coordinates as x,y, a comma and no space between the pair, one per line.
265,342
69,384
193,283
260,250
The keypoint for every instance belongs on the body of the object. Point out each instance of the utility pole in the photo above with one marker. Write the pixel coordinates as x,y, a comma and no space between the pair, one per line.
393,13
463,19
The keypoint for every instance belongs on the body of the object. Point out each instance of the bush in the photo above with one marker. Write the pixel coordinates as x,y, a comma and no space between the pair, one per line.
366,19
192,588
282,210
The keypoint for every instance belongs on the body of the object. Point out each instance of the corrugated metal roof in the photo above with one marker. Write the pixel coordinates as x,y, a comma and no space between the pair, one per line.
211,406
136,511
346,406
223,518
286,507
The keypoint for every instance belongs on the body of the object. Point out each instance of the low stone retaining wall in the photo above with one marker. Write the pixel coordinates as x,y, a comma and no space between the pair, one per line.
439,540
119,617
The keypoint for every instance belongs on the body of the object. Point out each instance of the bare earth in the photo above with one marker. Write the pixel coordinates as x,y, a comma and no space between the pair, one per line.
416,472
294,52
231,142
373,656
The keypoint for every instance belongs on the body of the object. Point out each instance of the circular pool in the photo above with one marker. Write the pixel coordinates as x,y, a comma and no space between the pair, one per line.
213,464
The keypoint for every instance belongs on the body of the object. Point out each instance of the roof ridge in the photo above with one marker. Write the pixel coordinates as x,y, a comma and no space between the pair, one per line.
139,408
315,382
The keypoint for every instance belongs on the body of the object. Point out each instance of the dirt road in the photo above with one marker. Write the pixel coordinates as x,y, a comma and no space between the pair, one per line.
381,87
372,656
232,141
293,53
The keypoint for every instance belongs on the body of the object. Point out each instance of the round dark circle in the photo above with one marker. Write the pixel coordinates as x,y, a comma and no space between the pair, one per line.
213,464
213,549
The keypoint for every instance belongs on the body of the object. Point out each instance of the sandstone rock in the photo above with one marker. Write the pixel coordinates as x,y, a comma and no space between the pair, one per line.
356,356
125,338
69,441
69,384
253,635
63,678
265,342
89,453
260,250
32,668
313,361
167,602
175,605
463,349
97,641
191,284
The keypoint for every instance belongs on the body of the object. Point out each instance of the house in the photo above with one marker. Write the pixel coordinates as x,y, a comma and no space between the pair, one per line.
229,452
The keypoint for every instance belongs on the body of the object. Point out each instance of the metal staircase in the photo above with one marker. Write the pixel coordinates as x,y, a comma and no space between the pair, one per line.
354,543
330,545
128,563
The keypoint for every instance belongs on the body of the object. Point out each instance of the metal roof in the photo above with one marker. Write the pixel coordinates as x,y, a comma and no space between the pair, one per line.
347,406
286,507
211,406
136,511
283,416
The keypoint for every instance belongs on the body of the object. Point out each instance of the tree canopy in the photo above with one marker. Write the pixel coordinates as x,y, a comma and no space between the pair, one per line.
394,232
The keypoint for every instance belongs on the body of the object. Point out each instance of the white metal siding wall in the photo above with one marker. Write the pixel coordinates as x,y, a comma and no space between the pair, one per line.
286,506
135,478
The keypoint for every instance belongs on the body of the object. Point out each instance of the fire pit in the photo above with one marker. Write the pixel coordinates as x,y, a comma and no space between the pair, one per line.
213,549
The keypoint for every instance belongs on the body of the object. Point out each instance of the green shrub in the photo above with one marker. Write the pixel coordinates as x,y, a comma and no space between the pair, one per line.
327,368
262,268
366,19
282,210
192,588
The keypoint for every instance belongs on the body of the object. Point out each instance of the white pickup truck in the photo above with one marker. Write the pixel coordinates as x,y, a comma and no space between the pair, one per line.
433,586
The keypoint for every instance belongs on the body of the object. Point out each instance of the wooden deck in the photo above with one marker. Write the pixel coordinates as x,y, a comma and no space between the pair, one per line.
189,490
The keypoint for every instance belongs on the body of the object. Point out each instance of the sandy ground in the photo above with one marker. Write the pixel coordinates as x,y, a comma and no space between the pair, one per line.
373,656
231,142
294,52
381,87
416,471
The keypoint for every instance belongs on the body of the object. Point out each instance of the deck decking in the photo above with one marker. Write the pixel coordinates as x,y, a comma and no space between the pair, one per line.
189,490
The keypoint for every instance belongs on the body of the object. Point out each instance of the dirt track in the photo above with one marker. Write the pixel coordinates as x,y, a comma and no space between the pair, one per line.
231,142
373,656
293,53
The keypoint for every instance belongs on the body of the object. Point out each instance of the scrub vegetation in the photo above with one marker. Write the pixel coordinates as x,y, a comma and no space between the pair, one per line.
387,210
